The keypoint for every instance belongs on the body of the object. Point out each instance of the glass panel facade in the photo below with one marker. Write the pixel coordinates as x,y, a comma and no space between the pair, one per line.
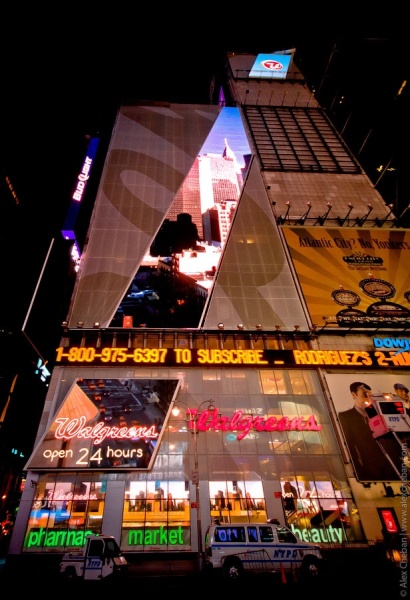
297,139
268,451
156,516
66,508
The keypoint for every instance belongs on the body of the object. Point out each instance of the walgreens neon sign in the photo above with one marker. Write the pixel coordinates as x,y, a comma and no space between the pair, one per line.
244,423
76,428
208,420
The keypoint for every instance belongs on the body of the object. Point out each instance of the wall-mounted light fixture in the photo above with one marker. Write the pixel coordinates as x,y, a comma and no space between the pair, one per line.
303,218
96,325
64,324
221,326
321,220
397,222
277,327
80,324
258,327
281,220
241,327
297,327
380,222
346,218
361,220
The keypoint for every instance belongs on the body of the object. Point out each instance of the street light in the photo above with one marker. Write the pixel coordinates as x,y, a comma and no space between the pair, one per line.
192,415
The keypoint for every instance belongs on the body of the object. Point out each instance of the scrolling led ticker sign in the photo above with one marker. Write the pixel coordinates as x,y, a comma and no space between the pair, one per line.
167,357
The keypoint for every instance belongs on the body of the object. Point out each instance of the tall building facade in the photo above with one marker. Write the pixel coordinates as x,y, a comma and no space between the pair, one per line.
297,344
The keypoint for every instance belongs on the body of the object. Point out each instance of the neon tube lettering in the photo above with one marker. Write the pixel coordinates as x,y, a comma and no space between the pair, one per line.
208,420
70,428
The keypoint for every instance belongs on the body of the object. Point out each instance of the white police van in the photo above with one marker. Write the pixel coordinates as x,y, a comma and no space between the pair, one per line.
101,557
235,549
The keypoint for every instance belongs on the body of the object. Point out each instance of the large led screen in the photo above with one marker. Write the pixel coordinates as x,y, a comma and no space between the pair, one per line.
175,278
107,423
270,66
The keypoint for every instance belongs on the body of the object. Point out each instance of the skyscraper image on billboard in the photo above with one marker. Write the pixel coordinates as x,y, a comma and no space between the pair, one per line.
175,277
107,423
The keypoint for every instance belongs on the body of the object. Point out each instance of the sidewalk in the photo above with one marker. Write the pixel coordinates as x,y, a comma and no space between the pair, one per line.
367,572
158,567
140,566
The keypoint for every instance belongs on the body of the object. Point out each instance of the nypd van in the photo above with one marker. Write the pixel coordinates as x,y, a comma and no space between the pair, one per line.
238,549
100,558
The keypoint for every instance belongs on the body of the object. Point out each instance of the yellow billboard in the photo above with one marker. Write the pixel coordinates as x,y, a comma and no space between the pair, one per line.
353,277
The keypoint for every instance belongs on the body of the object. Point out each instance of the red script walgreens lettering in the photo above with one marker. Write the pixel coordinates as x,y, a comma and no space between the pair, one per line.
243,423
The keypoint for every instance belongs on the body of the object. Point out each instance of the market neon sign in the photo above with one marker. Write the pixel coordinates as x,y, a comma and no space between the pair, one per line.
158,536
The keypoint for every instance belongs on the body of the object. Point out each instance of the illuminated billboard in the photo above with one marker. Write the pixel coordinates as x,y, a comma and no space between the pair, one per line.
171,357
79,190
107,423
68,230
361,402
175,277
271,66
353,277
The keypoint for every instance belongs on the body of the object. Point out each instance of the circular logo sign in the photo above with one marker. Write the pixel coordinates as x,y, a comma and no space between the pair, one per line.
377,288
272,65
346,297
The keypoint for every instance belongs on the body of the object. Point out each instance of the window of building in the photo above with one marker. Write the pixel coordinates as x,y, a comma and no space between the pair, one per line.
64,510
156,516
298,139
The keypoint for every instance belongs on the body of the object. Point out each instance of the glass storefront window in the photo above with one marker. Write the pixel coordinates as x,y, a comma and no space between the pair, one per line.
64,511
156,516
273,382
237,502
316,511
244,464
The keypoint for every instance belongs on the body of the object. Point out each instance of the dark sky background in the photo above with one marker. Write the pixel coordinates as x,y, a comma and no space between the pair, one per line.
64,77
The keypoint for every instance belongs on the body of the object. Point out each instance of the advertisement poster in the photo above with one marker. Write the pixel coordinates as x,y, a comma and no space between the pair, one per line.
353,277
271,66
374,415
167,292
107,423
